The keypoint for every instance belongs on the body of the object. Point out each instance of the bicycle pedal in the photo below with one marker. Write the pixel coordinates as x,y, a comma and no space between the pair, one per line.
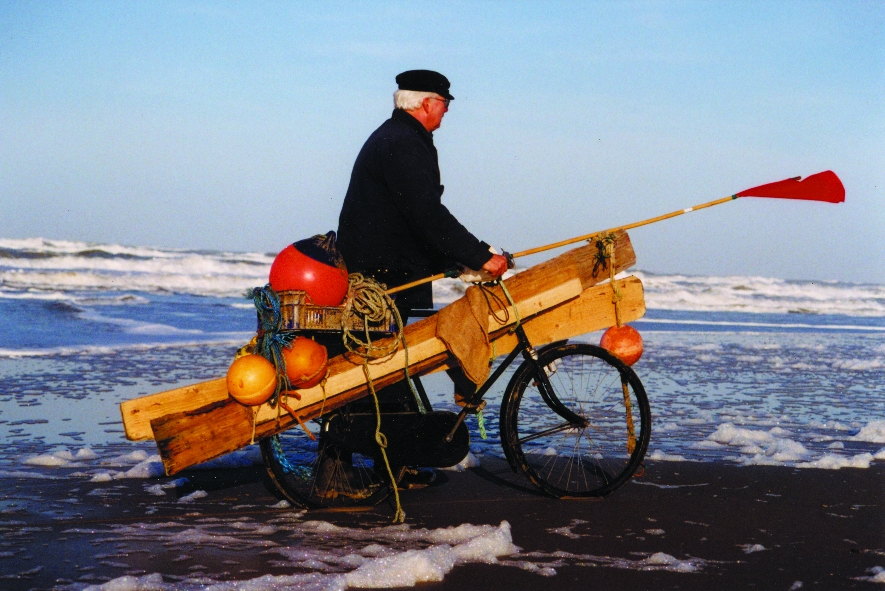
472,410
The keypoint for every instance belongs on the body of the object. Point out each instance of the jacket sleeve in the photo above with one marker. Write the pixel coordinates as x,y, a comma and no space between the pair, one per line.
412,174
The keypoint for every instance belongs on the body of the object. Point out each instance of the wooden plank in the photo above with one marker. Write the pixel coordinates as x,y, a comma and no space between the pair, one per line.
137,413
592,311
576,263
583,315
214,440
185,439
348,378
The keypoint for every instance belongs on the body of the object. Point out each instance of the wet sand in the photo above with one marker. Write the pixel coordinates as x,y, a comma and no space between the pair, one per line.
820,528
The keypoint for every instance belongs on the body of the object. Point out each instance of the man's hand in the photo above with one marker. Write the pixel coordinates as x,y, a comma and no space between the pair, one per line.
496,266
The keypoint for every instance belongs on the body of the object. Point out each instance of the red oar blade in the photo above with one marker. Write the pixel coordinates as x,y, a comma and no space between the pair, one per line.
823,186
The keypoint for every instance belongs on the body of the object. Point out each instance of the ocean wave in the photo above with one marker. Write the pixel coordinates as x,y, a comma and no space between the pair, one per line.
763,295
39,269
36,268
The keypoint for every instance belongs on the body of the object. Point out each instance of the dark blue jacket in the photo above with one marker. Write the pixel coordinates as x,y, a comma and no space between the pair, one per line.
393,225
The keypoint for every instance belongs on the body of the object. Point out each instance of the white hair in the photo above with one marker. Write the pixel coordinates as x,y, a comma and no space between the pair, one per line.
409,100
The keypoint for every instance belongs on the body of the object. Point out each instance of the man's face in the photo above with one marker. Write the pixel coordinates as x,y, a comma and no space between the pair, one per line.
436,108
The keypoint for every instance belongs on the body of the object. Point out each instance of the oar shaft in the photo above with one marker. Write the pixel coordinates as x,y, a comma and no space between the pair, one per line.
576,239
666,216
406,286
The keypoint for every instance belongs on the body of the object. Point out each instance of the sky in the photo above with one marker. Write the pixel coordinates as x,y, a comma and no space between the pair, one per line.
234,125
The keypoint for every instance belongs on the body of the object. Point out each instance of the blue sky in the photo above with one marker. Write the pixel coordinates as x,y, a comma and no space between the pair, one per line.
234,125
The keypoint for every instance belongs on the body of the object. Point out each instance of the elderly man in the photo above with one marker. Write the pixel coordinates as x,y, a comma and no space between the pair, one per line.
393,226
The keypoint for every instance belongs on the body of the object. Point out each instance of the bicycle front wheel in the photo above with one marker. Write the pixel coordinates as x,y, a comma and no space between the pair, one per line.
587,433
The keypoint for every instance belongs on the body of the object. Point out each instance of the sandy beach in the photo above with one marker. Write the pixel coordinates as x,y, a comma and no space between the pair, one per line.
682,525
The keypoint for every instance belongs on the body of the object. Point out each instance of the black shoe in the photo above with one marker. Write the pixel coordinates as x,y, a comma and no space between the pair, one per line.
415,479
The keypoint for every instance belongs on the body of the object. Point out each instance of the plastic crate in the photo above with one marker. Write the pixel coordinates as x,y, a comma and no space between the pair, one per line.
299,314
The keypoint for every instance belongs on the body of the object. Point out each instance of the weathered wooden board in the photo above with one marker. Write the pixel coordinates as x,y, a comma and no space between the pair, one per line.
190,437
187,438
590,312
580,263
137,413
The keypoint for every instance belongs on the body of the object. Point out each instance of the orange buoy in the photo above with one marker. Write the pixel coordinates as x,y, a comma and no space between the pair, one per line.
312,265
251,380
306,362
623,342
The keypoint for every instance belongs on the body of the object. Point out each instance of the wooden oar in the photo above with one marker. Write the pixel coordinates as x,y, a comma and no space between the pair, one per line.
823,186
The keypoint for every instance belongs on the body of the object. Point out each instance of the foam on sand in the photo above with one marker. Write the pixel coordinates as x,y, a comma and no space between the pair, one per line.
372,558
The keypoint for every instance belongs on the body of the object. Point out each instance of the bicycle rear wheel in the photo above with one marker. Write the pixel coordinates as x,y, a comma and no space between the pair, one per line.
314,474
588,434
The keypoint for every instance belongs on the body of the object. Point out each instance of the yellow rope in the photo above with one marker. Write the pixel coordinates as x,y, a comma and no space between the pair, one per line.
366,299
616,292
631,429
399,515
609,242
512,304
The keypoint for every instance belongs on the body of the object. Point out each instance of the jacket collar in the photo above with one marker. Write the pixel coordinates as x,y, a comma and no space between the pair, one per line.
404,117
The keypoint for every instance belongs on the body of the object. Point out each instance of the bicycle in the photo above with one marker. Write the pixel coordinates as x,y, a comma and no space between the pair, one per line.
574,419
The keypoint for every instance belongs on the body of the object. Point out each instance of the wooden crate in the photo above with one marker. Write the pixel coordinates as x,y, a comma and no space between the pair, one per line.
298,313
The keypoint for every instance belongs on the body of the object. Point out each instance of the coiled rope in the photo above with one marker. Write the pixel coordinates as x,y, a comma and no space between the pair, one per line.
605,257
270,339
367,300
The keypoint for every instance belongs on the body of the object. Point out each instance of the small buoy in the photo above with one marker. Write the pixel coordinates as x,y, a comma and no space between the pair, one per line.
251,380
312,265
306,362
623,342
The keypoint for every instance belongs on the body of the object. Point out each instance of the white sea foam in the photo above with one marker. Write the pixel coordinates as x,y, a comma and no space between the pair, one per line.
775,447
877,575
761,295
750,548
53,266
347,558
62,457
658,455
469,461
761,447
874,432
26,474
137,464
197,494
834,462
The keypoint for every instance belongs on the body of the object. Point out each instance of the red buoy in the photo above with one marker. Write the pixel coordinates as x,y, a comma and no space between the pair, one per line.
623,342
326,285
251,380
306,362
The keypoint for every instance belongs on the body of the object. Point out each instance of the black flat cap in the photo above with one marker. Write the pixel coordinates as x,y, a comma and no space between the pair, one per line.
425,81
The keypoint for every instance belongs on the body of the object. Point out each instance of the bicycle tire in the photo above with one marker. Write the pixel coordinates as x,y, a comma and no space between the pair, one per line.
591,453
293,461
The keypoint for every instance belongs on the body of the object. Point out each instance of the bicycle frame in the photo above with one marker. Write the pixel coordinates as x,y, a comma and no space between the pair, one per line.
529,353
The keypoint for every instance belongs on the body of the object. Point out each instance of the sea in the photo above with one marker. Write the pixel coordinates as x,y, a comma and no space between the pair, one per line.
738,369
